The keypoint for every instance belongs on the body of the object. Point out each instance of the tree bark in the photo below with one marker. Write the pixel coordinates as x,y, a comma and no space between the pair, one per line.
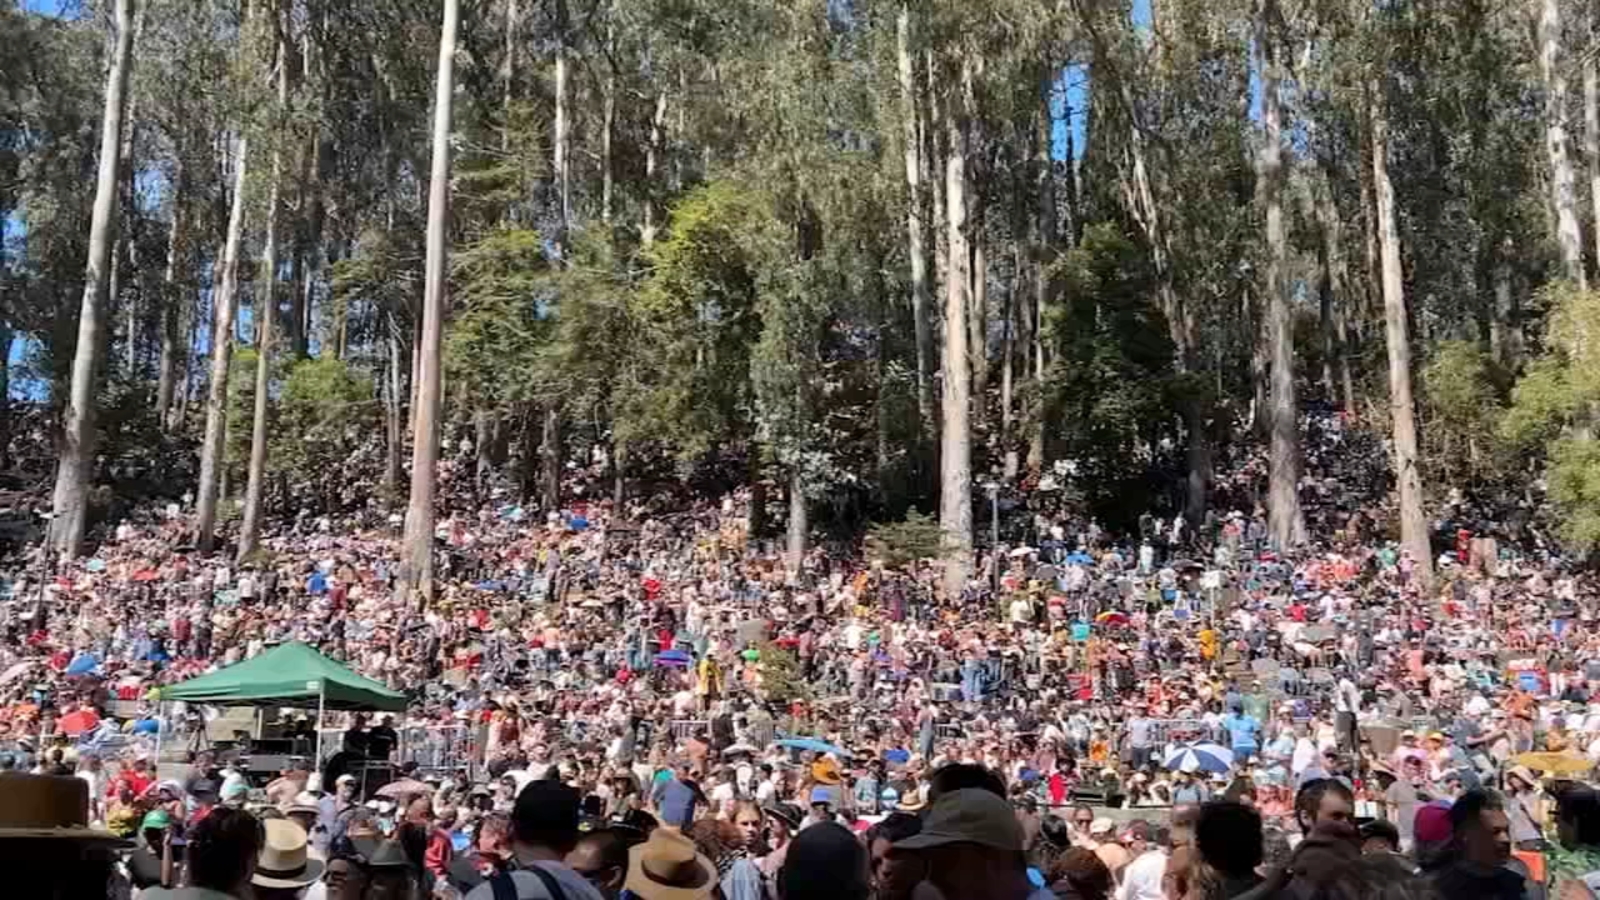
393,416
955,483
417,570
550,459
213,445
798,523
1043,251
172,302
1569,237
76,468
912,125
652,165
1335,294
1010,461
1284,520
1591,138
563,135
1413,519
266,314
608,122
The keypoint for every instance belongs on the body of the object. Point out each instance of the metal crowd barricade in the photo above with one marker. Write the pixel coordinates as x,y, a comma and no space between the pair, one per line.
682,729
1166,731
440,749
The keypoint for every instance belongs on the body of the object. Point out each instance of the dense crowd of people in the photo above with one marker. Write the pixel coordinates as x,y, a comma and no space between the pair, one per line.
650,701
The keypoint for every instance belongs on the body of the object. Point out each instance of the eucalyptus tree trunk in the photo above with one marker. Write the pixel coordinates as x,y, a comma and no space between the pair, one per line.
912,122
76,467
608,124
392,413
1413,520
563,133
1284,520
550,459
955,435
213,444
1336,297
172,301
1591,138
1569,237
1044,241
1010,462
652,166
417,567
266,313
799,523
934,159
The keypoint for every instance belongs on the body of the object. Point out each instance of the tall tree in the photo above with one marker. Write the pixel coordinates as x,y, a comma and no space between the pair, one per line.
266,311
955,432
224,303
912,123
1402,405
1563,182
75,470
417,568
1284,520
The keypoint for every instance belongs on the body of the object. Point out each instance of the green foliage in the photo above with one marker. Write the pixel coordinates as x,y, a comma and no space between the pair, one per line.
325,415
1462,415
781,676
494,347
1556,409
699,306
897,544
1106,395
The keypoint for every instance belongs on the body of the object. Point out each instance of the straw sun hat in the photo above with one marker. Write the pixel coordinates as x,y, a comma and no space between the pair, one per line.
284,862
49,806
668,867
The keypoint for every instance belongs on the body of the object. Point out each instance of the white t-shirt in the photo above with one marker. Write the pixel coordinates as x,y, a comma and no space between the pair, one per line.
1141,880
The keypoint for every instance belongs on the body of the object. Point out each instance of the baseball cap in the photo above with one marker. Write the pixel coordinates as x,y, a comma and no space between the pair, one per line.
1432,824
970,816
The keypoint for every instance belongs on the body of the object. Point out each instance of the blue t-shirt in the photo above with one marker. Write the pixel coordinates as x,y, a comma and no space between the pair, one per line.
1242,728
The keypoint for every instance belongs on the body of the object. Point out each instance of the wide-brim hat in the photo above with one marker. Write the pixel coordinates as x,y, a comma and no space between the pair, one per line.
668,867
826,771
285,860
50,806
784,813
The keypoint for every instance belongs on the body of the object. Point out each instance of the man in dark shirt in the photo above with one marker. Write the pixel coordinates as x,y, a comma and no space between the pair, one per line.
382,739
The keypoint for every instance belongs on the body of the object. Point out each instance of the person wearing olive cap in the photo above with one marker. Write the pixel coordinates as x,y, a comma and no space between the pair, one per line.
971,846
156,836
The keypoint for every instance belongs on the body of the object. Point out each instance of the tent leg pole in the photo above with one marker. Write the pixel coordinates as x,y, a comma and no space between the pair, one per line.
322,697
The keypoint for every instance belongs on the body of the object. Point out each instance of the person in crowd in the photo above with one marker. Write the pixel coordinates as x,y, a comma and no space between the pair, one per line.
601,857
970,846
1481,840
825,862
223,851
893,877
1228,836
544,829
667,866
284,865
1079,874
1524,808
1575,857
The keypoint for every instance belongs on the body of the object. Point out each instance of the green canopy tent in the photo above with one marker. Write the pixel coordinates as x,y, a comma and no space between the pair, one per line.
292,674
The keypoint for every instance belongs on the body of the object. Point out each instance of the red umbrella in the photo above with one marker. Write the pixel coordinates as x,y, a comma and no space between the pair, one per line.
78,722
146,575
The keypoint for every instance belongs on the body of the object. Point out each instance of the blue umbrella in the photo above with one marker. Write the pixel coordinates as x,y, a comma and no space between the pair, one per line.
673,658
1201,758
897,756
83,664
490,585
814,745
